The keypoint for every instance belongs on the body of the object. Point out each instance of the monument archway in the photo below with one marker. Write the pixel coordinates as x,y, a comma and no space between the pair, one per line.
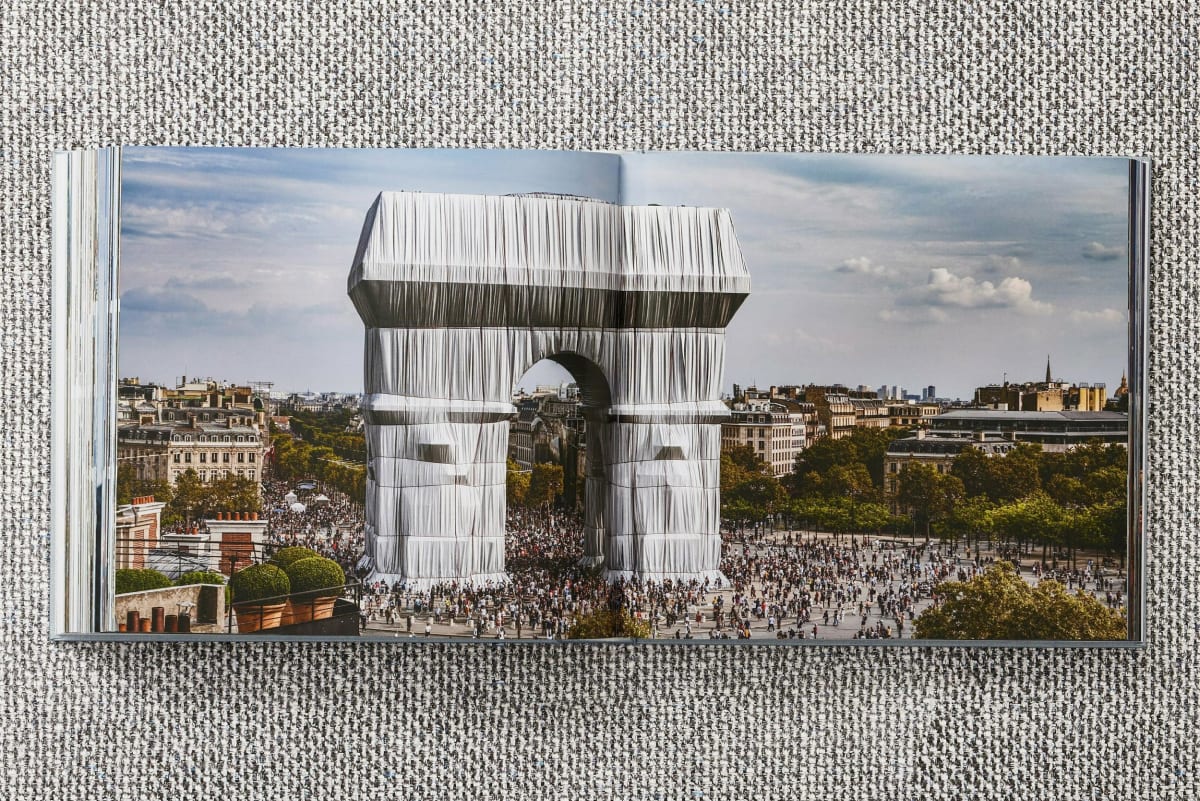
461,294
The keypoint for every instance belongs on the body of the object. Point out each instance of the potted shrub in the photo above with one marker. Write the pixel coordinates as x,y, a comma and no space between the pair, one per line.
293,553
254,586
316,584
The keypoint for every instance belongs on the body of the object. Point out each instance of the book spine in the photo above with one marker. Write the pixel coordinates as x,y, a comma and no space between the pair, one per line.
86,224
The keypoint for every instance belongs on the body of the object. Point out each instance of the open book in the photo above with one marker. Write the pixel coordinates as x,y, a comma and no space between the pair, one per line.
464,394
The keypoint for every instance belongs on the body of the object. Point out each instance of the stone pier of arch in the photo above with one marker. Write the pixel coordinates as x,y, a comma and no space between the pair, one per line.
461,294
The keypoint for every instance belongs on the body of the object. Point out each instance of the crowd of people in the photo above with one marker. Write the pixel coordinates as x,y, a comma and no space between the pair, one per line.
331,524
787,588
782,585
546,591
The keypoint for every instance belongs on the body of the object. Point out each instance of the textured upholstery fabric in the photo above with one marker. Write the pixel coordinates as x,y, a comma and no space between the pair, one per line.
106,721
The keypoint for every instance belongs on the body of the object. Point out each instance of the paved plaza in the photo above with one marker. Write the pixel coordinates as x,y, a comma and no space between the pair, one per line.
909,569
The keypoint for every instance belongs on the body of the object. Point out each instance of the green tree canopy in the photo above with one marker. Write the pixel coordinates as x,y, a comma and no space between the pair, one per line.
1034,519
930,496
1000,605
1001,478
545,485
749,491
738,464
517,484
129,486
863,447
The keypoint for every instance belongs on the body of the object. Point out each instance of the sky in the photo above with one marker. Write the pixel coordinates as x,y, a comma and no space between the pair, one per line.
949,271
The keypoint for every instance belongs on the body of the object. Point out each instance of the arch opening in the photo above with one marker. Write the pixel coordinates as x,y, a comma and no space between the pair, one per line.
556,440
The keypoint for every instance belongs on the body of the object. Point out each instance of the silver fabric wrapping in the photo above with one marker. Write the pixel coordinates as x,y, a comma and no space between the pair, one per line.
462,294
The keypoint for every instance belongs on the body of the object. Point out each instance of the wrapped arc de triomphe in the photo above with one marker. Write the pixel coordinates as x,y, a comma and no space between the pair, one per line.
461,294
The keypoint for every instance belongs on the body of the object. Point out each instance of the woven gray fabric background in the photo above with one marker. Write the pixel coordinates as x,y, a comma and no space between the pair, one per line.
380,721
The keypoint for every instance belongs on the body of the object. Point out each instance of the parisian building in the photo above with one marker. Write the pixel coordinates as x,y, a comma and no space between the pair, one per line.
1048,395
912,415
937,451
214,429
549,427
775,429
835,409
1056,432
870,412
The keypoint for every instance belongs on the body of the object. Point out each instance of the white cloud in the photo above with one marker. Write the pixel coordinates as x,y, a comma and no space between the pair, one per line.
1099,252
861,265
947,289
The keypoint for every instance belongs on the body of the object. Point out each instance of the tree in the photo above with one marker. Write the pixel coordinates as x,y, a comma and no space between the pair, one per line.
1000,605
761,494
517,484
190,496
1066,490
1036,518
749,490
545,485
129,486
851,481
126,483
738,464
1112,522
1002,479
971,467
318,461
968,519
1014,475
863,447
874,517
231,493
927,494
607,623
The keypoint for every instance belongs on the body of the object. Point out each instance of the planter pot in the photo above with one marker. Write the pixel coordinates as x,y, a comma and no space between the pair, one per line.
305,611
292,613
323,608
254,617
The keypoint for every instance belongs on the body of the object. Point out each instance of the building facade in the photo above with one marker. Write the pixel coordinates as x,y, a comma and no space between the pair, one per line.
912,415
1058,431
834,409
775,430
1049,395
213,429
936,451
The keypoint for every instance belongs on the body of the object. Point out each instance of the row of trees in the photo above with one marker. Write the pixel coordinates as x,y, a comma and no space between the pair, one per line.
1028,497
295,459
836,491
329,430
190,498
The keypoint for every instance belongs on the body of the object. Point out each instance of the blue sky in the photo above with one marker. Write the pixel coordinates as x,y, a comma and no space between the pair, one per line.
908,270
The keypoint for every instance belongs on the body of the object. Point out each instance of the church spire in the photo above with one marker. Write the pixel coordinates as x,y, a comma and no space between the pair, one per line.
1048,378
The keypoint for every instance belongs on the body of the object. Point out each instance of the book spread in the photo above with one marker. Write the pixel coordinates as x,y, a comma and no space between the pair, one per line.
465,395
